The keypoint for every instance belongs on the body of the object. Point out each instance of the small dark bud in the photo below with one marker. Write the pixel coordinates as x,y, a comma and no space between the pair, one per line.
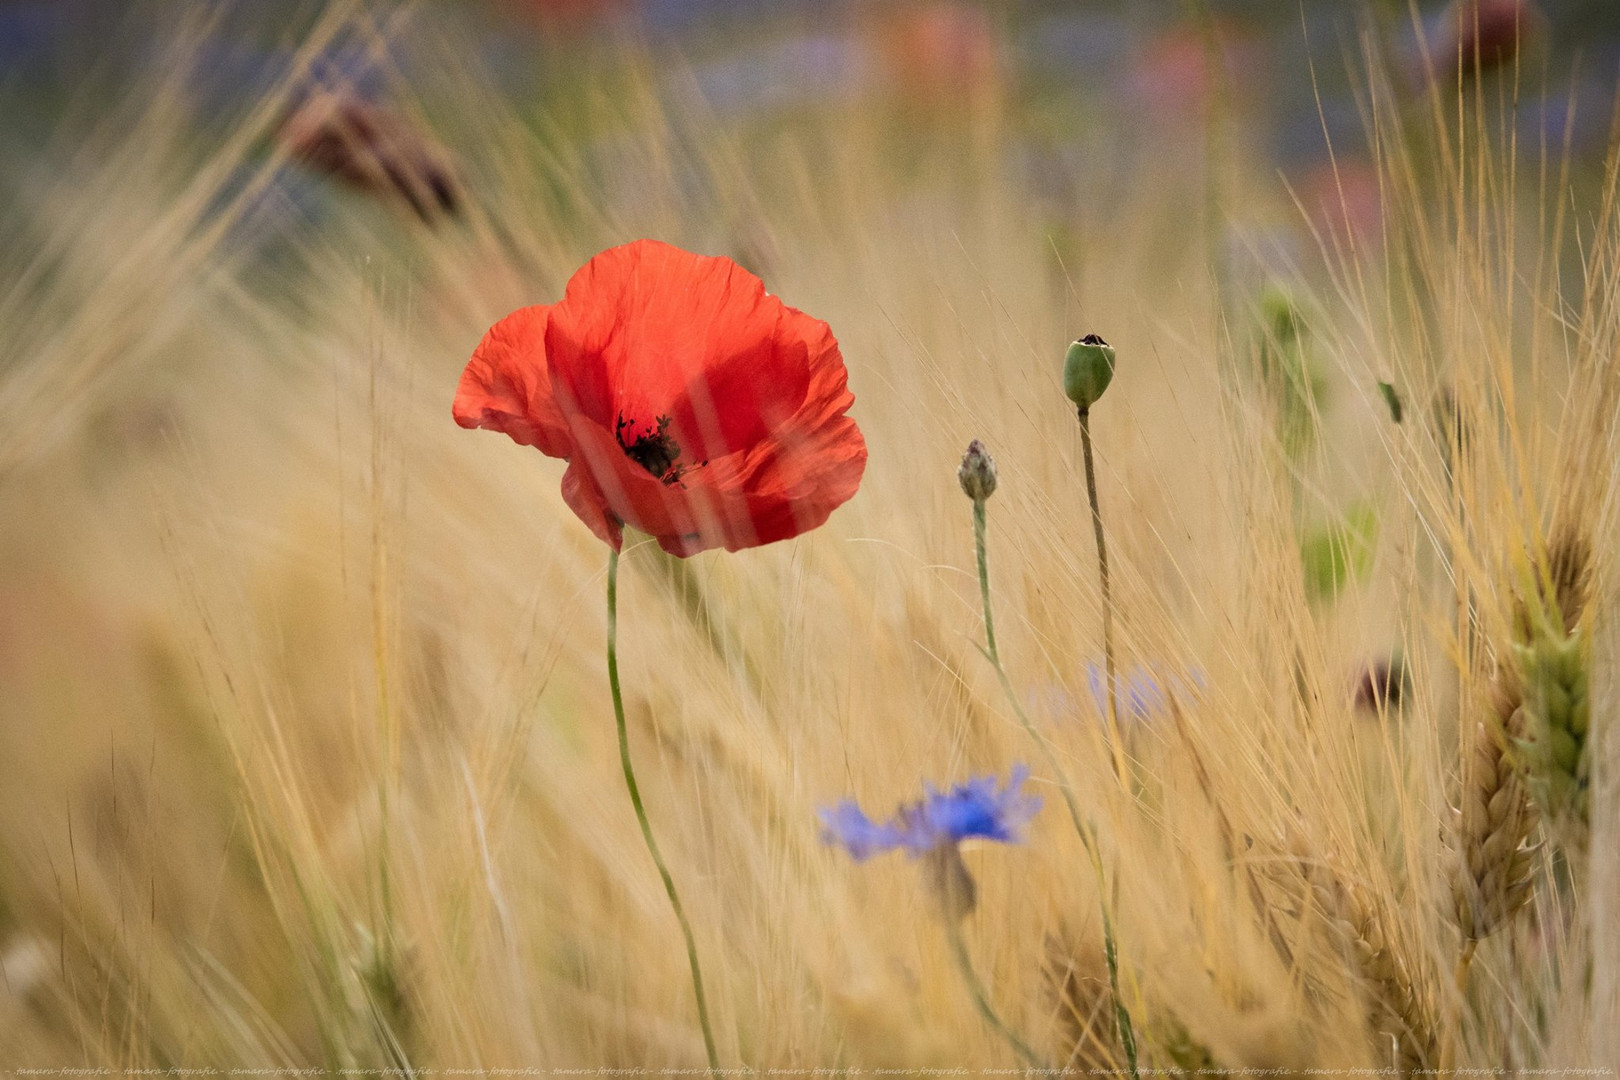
373,150
1383,684
1479,35
978,472
1087,370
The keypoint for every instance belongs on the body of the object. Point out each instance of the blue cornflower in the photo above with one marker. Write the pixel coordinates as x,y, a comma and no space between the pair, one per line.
938,820
863,837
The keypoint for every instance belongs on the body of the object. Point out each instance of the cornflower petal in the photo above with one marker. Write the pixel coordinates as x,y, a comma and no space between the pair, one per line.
862,837
974,809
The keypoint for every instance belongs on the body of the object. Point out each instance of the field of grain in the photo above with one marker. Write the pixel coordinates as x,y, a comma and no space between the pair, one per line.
307,751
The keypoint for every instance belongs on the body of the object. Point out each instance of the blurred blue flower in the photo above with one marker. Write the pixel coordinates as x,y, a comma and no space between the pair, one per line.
1145,695
1142,693
939,819
845,824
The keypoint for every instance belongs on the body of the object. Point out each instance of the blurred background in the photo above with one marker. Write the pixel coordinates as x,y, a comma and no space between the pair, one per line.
1091,88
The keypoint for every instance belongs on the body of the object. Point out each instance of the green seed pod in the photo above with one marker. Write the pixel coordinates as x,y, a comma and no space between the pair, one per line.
1087,370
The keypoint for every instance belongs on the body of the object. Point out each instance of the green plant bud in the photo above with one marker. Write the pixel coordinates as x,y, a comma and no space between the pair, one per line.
1087,370
1280,312
977,474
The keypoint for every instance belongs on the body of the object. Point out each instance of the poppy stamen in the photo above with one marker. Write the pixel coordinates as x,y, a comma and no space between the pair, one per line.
655,450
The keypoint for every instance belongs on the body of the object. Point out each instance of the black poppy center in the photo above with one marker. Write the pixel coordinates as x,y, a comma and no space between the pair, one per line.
654,449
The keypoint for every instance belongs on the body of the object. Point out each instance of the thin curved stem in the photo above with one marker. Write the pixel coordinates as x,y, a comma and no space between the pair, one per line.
981,998
641,811
1122,1016
1114,739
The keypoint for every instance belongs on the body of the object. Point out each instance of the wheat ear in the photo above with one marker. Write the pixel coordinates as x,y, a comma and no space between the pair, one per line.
1492,877
1532,755
1553,656
1397,1010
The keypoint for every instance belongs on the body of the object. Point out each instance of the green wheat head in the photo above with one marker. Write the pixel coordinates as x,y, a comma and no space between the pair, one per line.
1553,653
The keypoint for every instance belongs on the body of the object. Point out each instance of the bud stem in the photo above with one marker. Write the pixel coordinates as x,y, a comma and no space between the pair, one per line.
1122,1015
1116,744
984,582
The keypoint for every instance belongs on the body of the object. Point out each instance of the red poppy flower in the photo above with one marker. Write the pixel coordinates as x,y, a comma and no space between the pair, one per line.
688,402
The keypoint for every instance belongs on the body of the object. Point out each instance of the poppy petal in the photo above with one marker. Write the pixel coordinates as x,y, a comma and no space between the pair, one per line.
813,463
647,330
507,385
739,399
584,497
689,402
627,492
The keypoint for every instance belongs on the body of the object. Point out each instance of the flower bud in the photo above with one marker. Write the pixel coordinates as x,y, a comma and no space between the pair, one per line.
1283,323
978,472
1087,370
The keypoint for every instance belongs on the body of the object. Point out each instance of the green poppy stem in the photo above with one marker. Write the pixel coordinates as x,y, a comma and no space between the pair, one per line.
981,998
1115,741
641,811
1122,1016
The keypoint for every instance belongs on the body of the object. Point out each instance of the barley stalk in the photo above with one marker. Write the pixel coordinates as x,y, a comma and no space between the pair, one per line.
1534,746
1491,880
1553,655
1531,756
1397,1011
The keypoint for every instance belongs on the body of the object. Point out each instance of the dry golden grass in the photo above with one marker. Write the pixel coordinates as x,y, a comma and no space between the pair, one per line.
309,757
